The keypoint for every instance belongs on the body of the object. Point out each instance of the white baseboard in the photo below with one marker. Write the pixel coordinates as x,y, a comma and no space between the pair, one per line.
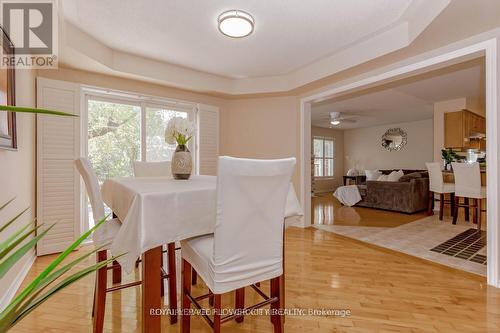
12,289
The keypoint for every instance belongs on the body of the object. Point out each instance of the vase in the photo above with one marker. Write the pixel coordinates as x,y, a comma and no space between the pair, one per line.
182,163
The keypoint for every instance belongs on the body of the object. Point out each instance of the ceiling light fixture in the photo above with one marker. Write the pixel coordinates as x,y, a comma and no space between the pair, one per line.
236,23
335,122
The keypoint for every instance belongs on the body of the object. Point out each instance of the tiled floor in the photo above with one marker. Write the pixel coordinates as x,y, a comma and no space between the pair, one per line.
415,238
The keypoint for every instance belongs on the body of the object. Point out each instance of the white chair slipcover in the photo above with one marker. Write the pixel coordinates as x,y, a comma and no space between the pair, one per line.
468,180
108,230
247,245
436,183
152,169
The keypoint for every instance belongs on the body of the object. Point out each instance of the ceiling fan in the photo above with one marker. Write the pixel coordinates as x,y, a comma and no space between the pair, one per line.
337,117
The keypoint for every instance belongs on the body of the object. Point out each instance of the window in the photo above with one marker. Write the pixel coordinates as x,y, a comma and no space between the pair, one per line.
121,131
324,151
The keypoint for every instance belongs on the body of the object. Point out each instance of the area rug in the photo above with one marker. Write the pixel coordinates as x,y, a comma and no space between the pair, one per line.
417,239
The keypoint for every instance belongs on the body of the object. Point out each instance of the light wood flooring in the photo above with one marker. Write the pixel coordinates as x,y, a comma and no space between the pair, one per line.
328,211
385,291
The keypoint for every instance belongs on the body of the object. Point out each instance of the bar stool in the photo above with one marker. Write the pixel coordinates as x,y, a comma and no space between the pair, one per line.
436,185
468,186
251,197
102,237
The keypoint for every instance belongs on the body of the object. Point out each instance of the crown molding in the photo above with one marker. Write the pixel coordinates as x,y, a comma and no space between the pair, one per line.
82,51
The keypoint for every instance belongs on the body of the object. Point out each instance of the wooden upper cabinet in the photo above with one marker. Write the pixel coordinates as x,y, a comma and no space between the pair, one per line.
459,126
454,131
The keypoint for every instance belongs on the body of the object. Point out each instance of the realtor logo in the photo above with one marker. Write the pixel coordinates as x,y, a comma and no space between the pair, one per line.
31,27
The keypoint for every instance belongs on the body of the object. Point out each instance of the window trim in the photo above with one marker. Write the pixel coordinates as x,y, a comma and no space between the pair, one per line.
323,158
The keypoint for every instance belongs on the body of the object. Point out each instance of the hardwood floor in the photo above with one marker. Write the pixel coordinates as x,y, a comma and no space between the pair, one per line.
385,291
328,211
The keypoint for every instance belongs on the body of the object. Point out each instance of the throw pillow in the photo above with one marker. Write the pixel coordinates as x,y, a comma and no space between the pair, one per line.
410,176
372,174
395,175
383,178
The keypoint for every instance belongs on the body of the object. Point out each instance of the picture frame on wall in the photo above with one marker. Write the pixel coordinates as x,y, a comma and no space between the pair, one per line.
8,128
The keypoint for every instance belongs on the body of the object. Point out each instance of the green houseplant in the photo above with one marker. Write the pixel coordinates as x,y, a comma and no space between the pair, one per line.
448,156
52,279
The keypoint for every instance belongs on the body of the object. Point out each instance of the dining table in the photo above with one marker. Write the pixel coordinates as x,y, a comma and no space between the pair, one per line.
160,210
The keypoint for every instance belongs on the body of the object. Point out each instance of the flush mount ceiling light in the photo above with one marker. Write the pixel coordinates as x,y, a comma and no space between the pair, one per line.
236,23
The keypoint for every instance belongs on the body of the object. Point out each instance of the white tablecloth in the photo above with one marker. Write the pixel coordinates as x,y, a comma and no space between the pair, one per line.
157,211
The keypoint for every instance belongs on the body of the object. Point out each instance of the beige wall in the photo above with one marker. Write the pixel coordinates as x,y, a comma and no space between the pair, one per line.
330,184
363,149
261,128
17,175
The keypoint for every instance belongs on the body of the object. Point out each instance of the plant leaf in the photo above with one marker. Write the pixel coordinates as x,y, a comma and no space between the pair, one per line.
34,110
27,291
2,228
14,236
24,311
12,242
6,264
54,276
8,202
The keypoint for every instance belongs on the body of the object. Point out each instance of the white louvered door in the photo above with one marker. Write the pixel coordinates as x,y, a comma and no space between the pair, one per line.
208,139
58,183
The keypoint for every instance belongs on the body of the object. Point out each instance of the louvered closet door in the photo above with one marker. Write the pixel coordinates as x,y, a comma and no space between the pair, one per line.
208,139
58,183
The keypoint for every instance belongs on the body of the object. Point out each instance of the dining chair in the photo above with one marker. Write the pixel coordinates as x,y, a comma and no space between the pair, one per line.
468,186
102,237
437,185
246,247
152,169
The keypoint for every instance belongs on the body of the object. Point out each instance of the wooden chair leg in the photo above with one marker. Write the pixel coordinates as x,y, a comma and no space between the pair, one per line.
194,277
452,204
431,201
239,303
479,204
277,307
455,214
466,203
211,299
186,304
172,283
100,294
441,206
474,211
117,272
217,313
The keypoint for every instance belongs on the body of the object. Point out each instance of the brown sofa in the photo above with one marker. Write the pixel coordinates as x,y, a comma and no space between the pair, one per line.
408,195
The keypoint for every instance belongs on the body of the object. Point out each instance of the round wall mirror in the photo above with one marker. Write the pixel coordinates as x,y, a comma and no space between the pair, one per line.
394,139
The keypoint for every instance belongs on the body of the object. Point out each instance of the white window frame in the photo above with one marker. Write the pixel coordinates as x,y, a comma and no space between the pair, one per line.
323,158
142,101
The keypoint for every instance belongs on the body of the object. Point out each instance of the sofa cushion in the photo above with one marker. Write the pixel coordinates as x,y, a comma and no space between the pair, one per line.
410,176
383,178
362,190
395,175
372,174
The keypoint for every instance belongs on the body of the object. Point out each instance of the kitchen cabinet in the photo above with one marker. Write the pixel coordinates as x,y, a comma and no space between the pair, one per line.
463,130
